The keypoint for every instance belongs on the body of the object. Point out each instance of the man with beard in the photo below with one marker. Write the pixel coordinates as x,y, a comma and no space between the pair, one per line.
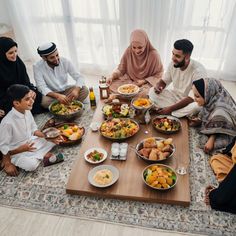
182,71
51,77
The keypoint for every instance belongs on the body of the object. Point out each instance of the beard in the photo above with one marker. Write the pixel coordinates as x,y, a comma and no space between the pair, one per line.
180,64
52,63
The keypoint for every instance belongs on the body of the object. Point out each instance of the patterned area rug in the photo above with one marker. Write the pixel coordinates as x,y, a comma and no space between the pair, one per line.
44,190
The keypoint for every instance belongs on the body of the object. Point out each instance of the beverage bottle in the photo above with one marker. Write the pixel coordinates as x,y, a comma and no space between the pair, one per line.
92,98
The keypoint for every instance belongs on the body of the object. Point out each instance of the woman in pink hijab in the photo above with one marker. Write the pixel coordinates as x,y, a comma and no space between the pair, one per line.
140,64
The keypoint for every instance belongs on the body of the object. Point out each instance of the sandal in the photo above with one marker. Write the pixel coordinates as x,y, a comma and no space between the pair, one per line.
51,159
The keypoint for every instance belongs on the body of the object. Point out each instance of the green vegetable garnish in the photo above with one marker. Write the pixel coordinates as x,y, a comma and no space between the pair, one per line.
65,126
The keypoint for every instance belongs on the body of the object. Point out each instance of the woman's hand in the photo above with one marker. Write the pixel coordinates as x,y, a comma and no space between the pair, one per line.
2,113
33,94
109,80
140,83
194,121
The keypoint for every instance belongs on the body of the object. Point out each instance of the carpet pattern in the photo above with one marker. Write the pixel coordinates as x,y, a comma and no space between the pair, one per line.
44,190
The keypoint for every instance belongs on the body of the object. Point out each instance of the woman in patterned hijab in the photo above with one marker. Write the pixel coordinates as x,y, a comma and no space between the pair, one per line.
218,114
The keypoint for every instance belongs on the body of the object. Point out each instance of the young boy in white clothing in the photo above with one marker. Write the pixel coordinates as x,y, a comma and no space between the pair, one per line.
21,143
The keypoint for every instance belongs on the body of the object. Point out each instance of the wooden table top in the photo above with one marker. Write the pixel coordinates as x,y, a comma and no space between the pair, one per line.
130,185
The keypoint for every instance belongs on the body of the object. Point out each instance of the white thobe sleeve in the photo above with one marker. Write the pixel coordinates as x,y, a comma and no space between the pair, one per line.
5,137
39,80
75,74
167,76
33,125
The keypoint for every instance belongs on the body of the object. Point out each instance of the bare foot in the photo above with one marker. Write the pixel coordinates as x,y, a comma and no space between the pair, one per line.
209,144
207,192
8,167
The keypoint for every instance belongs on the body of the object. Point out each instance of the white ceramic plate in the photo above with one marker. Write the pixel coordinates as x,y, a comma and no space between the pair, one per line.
114,170
122,88
101,150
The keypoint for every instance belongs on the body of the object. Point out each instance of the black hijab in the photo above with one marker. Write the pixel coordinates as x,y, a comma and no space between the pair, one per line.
200,86
14,73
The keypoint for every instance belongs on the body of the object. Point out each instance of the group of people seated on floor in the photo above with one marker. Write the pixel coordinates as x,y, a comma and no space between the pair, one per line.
203,100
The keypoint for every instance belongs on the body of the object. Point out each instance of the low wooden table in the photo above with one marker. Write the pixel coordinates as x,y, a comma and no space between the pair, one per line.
130,185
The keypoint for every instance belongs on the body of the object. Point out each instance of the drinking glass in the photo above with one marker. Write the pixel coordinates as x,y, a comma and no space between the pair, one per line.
147,119
182,166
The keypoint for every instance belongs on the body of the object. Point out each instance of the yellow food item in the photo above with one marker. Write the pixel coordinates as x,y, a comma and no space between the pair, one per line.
142,102
75,128
67,132
75,136
168,141
103,177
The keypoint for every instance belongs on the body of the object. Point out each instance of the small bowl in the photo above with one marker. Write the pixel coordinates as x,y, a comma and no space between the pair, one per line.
142,107
94,126
155,182
100,150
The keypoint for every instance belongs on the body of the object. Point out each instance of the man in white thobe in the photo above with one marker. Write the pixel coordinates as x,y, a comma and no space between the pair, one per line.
181,72
51,75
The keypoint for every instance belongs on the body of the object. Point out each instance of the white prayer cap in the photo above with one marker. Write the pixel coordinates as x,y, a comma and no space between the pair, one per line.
47,49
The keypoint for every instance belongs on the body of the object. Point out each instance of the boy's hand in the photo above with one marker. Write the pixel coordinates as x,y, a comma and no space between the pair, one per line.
27,147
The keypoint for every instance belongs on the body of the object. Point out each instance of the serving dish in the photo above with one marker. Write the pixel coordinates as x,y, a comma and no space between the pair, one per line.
103,176
95,155
117,129
155,149
166,124
66,111
71,133
115,110
159,177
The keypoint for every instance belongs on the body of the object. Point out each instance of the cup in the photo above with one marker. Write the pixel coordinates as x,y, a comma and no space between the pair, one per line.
182,166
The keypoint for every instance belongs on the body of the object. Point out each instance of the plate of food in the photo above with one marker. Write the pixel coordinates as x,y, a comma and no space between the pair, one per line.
66,111
95,155
159,177
103,176
71,133
142,103
116,110
119,128
128,90
166,124
155,149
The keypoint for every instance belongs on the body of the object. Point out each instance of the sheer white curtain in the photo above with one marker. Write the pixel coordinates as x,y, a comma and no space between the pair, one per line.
94,33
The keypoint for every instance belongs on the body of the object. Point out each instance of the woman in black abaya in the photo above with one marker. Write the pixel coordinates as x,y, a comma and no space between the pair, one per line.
13,71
